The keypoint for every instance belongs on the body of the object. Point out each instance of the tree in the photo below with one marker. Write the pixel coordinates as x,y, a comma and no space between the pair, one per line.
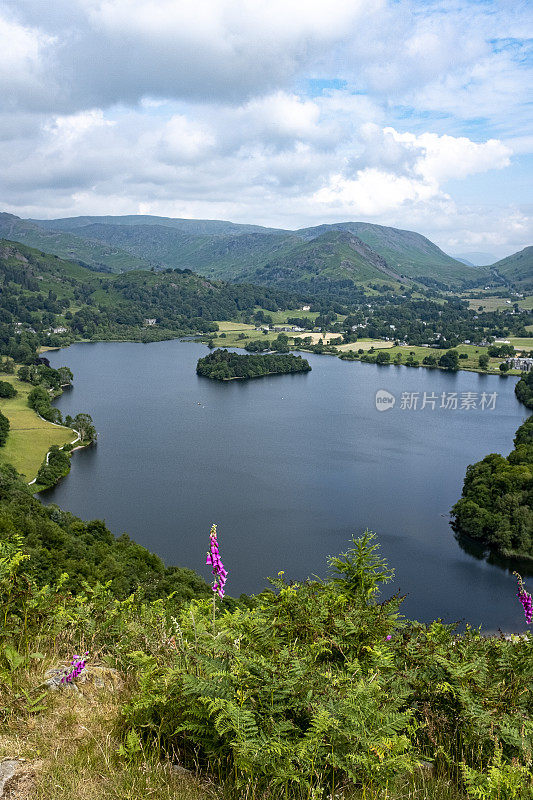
483,361
83,424
7,390
281,343
504,367
4,429
383,357
450,360
65,376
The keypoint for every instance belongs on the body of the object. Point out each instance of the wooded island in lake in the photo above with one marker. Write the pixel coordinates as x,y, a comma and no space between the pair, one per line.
221,365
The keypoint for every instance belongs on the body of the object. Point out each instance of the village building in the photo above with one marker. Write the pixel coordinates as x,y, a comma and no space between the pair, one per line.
523,364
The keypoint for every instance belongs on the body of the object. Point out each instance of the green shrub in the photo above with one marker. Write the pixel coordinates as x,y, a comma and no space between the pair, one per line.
7,390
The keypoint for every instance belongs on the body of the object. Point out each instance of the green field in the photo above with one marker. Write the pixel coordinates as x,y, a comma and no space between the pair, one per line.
419,353
500,303
281,317
30,437
527,344
233,330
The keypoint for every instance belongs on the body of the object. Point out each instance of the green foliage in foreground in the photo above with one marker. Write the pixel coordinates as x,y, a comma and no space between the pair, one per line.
524,389
58,542
222,365
497,503
307,691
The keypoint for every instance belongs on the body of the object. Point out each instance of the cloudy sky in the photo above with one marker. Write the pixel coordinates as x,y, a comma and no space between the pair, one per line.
279,112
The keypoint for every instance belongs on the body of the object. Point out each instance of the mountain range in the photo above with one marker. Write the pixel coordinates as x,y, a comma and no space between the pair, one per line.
343,253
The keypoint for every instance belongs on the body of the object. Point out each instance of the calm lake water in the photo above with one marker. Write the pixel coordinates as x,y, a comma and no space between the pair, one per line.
289,467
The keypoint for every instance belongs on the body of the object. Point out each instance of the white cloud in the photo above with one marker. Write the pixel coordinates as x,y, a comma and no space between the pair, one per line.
443,157
205,108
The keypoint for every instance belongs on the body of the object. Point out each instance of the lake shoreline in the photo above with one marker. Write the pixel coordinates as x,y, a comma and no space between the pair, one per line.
265,452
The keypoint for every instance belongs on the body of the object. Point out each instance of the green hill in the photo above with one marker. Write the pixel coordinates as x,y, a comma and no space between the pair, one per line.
336,260
408,253
215,227
41,292
227,250
517,268
91,253
215,255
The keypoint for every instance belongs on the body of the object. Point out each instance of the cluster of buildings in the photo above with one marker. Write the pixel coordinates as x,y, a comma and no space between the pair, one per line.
519,362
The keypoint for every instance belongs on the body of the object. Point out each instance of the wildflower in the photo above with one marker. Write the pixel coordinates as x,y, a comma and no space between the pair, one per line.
77,666
213,558
525,599
388,637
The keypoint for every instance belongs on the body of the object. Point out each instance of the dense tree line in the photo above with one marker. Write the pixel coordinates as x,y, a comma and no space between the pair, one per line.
223,365
40,400
496,507
280,344
524,389
58,542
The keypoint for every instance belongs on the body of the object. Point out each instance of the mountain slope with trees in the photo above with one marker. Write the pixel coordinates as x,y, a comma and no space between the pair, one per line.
47,301
217,248
408,253
90,253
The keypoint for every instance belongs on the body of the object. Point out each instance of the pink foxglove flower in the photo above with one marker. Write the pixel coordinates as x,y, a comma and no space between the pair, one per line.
525,599
213,558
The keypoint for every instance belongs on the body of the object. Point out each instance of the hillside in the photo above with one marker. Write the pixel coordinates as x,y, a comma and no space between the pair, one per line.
215,227
336,260
68,246
214,255
309,690
41,293
222,249
407,252
517,268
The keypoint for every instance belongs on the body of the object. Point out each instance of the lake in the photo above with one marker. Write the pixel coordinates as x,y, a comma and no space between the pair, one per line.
290,466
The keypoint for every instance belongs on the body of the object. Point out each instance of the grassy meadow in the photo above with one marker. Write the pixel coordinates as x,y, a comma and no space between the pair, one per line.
499,303
522,343
30,437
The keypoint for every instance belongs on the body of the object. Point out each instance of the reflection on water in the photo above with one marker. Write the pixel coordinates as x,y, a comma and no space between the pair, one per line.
476,550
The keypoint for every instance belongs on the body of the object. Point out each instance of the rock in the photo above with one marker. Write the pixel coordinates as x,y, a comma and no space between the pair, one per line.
98,677
19,785
8,768
177,769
